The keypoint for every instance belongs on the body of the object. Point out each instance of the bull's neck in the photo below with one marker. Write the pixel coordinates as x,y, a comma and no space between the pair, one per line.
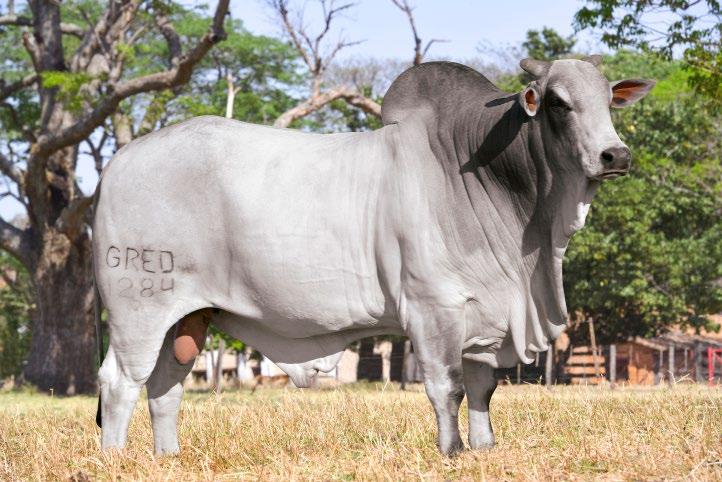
501,165
515,195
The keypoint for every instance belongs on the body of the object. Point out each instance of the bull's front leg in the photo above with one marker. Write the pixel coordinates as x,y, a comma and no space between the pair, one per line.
439,353
480,383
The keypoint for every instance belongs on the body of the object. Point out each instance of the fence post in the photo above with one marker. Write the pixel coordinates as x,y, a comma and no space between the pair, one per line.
593,339
710,365
549,366
405,364
612,366
670,348
698,374
659,376
218,375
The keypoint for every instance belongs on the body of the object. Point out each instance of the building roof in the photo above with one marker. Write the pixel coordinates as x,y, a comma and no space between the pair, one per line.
678,338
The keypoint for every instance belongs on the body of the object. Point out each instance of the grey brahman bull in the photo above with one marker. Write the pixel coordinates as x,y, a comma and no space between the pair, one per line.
448,225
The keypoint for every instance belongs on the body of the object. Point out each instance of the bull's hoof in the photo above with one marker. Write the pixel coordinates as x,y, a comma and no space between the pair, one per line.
482,443
452,447
163,452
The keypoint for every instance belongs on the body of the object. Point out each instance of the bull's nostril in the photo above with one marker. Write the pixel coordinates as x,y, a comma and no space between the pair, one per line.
607,156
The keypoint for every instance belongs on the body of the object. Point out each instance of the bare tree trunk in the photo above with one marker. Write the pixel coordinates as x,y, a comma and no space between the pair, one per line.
62,351
56,246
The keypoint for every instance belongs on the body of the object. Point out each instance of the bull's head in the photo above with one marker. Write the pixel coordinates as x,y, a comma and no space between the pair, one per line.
571,99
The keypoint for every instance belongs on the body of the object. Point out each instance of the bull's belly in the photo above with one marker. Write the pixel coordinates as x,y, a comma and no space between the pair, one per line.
300,295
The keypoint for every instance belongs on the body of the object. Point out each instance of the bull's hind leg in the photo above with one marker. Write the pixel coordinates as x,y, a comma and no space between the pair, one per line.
165,385
121,377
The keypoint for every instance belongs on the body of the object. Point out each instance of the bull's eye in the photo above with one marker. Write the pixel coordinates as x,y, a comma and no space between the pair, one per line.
558,104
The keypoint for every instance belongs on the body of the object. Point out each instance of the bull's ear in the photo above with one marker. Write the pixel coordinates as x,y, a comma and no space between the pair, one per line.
627,92
530,99
595,60
537,68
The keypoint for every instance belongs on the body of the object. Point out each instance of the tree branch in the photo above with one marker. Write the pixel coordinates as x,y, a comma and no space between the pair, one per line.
329,13
316,102
175,76
281,7
16,242
33,50
171,36
97,151
419,52
72,217
6,90
364,103
21,21
106,32
9,169
311,51
72,29
28,134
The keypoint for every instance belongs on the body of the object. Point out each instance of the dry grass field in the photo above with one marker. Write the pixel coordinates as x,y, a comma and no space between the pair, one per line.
369,432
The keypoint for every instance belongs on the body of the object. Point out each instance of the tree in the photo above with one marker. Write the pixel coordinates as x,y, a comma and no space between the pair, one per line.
547,44
317,55
371,78
420,50
262,70
71,79
16,307
665,27
650,256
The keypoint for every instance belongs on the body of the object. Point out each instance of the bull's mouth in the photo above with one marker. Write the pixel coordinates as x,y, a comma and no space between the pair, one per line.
612,174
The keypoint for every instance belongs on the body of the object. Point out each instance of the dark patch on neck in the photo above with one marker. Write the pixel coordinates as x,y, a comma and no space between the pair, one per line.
497,154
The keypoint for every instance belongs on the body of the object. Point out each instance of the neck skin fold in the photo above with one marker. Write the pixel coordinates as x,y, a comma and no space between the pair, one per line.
516,203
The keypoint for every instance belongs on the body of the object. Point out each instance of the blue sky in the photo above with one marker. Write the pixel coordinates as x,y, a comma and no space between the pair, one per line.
464,23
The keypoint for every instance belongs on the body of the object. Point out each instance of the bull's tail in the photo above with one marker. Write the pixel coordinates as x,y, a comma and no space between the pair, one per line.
99,342
98,309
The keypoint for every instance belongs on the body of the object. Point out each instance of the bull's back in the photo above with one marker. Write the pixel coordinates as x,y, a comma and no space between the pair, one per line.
270,224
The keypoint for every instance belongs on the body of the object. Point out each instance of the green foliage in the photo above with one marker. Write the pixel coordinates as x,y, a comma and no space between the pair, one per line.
512,82
231,343
691,27
545,45
15,311
651,253
263,70
548,44
69,85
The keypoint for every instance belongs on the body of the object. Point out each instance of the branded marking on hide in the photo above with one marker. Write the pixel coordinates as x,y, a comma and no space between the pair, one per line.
140,259
146,272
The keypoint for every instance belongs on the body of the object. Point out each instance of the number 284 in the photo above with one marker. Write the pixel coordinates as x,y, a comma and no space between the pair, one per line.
145,287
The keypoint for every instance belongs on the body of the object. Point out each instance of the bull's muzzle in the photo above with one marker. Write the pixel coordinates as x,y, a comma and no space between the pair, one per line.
615,162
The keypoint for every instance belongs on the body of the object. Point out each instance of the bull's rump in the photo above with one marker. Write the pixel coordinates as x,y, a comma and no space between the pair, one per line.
272,225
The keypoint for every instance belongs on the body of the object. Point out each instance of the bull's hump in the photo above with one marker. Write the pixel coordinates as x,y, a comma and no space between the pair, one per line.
433,87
